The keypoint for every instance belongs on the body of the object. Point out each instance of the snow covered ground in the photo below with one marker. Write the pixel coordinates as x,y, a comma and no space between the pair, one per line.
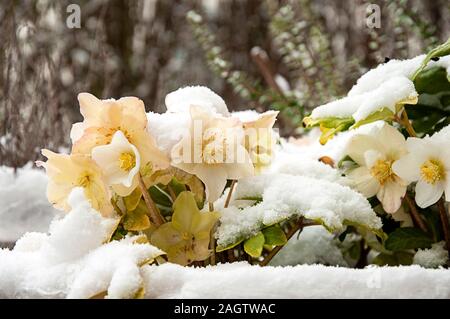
239,280
23,204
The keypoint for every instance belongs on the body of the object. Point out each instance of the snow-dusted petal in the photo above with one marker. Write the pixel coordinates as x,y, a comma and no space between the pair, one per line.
108,157
390,195
363,181
214,177
428,194
407,167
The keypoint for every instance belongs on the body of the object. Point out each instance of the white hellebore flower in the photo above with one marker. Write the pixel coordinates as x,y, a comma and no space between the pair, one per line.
213,150
428,163
375,153
120,162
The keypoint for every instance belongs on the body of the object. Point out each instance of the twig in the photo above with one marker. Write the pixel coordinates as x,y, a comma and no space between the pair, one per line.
444,220
227,201
274,251
415,214
261,59
155,216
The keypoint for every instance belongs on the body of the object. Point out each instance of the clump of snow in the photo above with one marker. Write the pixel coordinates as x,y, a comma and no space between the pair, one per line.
72,260
434,257
388,94
24,206
377,76
300,165
315,245
241,281
384,86
179,101
285,196
168,129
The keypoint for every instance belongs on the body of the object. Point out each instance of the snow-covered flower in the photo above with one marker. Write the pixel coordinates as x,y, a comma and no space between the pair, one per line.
120,162
375,153
213,150
259,136
186,238
428,163
103,118
66,172
181,100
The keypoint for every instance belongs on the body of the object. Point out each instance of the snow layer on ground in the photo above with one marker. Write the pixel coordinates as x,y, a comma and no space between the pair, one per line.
72,261
284,196
23,204
241,281
315,245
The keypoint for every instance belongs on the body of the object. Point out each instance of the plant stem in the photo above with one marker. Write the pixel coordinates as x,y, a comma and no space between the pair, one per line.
155,216
407,124
415,214
227,201
444,221
212,243
171,193
273,252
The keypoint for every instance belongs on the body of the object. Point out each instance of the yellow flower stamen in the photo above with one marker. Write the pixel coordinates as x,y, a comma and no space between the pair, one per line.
382,170
127,161
432,171
84,180
213,151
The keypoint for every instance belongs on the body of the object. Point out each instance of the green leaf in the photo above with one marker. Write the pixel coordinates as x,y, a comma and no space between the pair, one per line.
254,245
160,197
383,114
439,51
396,259
223,248
432,81
274,236
407,238
137,219
131,201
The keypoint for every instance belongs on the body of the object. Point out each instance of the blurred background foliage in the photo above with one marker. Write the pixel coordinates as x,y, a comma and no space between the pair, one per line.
285,55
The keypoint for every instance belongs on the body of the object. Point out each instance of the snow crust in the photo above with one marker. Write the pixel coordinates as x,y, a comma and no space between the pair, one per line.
239,280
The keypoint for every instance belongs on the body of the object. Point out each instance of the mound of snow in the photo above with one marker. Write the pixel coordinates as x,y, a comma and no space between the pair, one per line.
285,196
23,204
73,261
434,257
